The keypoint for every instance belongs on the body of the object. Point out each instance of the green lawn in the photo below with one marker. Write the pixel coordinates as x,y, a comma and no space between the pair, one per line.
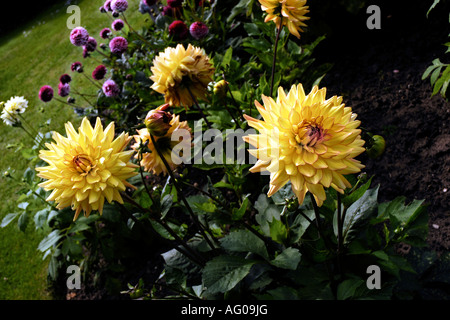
34,55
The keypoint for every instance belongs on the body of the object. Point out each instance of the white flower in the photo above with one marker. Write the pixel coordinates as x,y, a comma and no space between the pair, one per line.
12,108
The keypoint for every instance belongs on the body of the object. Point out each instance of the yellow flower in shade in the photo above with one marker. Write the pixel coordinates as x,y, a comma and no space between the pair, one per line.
292,11
86,167
176,71
12,108
180,132
307,140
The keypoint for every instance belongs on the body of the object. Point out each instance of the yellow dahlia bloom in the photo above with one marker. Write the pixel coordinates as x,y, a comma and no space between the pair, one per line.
86,167
178,70
307,140
292,11
12,108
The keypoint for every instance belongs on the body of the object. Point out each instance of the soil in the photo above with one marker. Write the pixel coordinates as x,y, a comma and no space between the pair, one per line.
379,74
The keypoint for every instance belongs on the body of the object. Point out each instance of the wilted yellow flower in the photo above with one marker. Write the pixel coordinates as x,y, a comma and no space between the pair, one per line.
12,108
176,71
87,167
292,11
151,161
307,140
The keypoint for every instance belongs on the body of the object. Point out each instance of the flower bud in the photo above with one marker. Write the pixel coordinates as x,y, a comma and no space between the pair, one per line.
220,88
376,147
158,121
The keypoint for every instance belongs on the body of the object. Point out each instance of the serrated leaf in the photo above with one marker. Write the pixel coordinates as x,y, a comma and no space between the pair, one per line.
223,273
358,213
288,259
50,240
244,241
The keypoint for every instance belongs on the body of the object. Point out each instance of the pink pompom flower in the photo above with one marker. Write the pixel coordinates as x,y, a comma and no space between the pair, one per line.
178,30
63,89
79,36
46,93
99,72
110,88
198,30
65,78
117,25
105,33
91,44
118,45
119,5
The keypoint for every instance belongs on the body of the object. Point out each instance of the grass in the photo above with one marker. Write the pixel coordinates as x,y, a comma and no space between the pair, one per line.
31,56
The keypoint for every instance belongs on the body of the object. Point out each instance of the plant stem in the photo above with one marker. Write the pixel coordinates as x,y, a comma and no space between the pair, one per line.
143,179
198,107
183,198
191,255
317,214
340,239
275,55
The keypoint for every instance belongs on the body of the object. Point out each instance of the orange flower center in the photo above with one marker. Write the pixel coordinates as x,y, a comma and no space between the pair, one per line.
82,163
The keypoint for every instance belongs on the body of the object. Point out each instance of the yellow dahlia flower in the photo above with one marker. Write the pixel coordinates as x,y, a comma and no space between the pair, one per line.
307,140
176,71
151,160
12,108
86,167
292,11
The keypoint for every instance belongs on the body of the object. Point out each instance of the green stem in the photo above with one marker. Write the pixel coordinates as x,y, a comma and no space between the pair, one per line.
142,177
198,107
183,198
191,254
275,56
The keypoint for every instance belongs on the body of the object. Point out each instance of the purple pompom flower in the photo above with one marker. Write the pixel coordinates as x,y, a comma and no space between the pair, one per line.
63,89
79,36
46,93
175,3
117,25
99,72
91,44
119,5
178,30
198,30
118,45
105,33
65,78
110,88
76,67
107,5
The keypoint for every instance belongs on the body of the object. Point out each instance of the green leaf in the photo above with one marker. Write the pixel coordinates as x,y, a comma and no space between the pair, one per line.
288,259
8,218
50,240
23,221
299,226
166,204
23,205
244,241
266,213
278,231
238,214
223,273
432,6
41,217
358,213
355,195
347,288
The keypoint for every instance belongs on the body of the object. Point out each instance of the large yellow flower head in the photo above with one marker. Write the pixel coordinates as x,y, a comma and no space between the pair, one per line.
292,11
86,167
179,72
12,108
177,134
307,140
